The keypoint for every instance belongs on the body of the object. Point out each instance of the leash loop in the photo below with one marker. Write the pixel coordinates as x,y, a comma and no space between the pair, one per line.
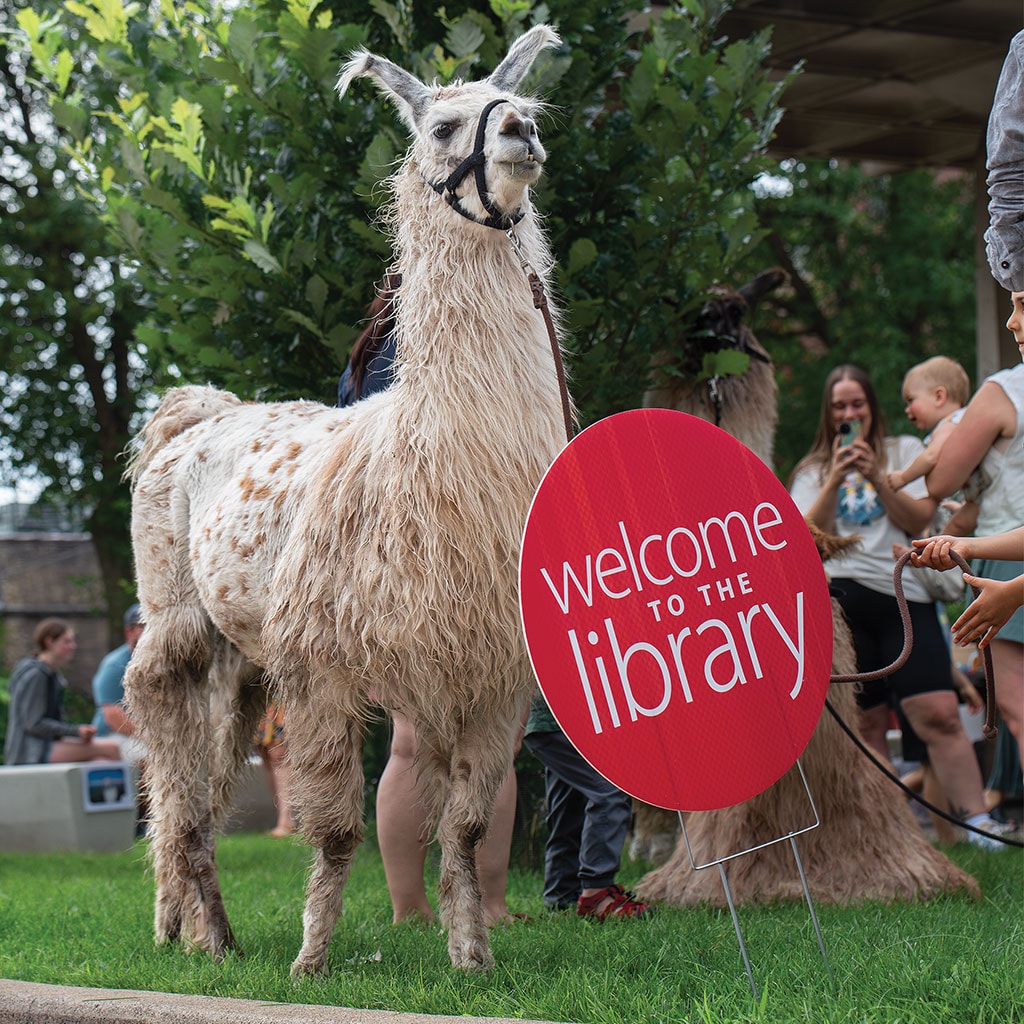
989,728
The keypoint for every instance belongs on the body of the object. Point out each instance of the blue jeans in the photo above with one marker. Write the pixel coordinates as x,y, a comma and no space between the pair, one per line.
588,819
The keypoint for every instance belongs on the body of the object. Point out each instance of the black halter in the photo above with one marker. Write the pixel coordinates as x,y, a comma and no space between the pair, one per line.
475,163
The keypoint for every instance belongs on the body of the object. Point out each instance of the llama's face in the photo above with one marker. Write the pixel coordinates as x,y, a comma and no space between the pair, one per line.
444,121
446,135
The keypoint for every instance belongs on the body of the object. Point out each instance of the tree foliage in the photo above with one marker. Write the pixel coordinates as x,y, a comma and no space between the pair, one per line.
244,191
882,274
69,378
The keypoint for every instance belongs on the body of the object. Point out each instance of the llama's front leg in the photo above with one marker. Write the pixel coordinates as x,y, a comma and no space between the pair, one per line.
165,685
476,774
327,780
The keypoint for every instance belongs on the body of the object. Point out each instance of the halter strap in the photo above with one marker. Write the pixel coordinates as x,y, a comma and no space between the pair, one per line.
475,162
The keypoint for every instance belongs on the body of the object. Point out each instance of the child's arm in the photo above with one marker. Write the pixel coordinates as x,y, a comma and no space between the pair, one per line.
927,460
989,611
934,551
964,520
922,465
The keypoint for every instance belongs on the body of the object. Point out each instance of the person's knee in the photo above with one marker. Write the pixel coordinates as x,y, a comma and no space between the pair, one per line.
933,716
403,740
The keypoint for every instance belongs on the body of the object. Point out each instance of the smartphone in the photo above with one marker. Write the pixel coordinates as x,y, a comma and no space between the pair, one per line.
848,433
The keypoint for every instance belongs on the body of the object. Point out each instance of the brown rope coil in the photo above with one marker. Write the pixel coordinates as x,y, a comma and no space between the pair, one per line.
989,727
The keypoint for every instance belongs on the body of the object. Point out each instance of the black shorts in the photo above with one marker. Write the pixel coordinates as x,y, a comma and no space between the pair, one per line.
878,639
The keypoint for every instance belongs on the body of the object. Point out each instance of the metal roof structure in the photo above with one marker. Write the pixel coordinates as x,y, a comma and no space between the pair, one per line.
894,84
900,83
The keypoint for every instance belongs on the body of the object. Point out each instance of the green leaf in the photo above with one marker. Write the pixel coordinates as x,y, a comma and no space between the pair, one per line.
582,253
262,257
316,294
726,363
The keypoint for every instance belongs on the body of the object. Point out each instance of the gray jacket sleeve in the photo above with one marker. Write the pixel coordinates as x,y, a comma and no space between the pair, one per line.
1004,240
30,695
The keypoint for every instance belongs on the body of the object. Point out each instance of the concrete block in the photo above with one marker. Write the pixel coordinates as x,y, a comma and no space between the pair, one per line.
51,808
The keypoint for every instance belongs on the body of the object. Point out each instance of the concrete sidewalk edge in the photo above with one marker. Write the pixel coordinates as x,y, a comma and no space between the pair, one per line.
25,1002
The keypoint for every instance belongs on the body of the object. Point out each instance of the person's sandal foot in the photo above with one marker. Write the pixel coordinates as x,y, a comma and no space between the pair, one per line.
613,901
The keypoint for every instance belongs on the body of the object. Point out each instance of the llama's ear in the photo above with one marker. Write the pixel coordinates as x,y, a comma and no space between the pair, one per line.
766,281
412,95
520,57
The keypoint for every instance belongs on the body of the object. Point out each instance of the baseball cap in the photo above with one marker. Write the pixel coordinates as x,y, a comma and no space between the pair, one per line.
133,616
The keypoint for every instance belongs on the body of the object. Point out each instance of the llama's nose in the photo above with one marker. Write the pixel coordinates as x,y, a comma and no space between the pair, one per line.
514,123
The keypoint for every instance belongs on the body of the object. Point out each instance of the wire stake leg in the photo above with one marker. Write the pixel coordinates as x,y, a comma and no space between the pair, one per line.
736,925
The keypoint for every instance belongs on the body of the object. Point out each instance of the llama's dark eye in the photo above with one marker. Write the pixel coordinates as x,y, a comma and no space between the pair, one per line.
444,131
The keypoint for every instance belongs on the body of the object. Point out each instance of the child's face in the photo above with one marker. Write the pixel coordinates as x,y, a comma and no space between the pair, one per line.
924,405
1016,321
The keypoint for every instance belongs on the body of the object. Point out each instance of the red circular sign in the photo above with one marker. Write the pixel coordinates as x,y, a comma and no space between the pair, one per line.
676,610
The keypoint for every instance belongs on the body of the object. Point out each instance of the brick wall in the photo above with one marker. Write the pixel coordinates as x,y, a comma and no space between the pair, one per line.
52,574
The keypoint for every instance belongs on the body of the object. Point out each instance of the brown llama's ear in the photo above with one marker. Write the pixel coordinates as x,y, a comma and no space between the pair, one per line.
520,57
766,281
412,95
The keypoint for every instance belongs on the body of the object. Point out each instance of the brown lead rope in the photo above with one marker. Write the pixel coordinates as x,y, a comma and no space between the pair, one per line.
540,301
989,727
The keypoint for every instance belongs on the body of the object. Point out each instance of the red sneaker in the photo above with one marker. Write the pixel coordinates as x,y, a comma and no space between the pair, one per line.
611,902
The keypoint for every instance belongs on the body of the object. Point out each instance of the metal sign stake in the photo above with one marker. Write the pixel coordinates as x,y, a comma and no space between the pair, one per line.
721,861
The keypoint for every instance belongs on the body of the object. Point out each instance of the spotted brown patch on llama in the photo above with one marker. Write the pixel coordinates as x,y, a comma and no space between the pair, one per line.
250,489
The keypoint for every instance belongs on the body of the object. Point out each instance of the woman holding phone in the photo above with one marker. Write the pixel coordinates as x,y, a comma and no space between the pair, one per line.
840,486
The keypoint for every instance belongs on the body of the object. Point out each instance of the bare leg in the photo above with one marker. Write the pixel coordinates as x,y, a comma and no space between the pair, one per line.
402,829
492,857
1008,668
936,721
280,771
403,837
932,792
70,751
873,723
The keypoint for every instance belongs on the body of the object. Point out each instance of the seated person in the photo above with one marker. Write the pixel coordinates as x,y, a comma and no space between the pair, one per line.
36,730
110,719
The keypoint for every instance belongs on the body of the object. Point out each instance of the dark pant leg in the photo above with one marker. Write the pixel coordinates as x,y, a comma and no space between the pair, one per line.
565,809
606,809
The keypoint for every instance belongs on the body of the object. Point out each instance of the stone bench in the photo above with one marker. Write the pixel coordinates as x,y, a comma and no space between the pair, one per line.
48,808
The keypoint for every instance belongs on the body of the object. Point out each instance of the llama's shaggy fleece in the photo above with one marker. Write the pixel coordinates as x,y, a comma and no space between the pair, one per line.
362,553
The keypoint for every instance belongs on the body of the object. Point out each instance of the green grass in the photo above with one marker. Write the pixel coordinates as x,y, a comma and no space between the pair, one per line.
86,921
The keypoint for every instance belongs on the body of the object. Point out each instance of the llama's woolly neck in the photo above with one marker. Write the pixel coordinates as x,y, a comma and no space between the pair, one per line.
465,319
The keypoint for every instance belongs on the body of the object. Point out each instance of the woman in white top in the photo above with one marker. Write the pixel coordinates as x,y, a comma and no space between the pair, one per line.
992,433
842,489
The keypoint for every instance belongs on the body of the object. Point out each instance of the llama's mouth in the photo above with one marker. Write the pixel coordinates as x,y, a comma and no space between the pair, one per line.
528,168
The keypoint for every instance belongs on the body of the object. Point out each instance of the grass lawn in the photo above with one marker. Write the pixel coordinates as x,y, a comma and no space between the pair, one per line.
87,920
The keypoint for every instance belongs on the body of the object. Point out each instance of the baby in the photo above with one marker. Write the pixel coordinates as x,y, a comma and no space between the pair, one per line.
936,392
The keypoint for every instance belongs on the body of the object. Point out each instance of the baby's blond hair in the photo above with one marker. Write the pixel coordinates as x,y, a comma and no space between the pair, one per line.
941,371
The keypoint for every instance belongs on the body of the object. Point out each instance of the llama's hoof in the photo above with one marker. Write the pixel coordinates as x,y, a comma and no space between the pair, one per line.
475,956
309,969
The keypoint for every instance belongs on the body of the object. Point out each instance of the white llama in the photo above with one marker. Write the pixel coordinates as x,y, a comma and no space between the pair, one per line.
365,553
